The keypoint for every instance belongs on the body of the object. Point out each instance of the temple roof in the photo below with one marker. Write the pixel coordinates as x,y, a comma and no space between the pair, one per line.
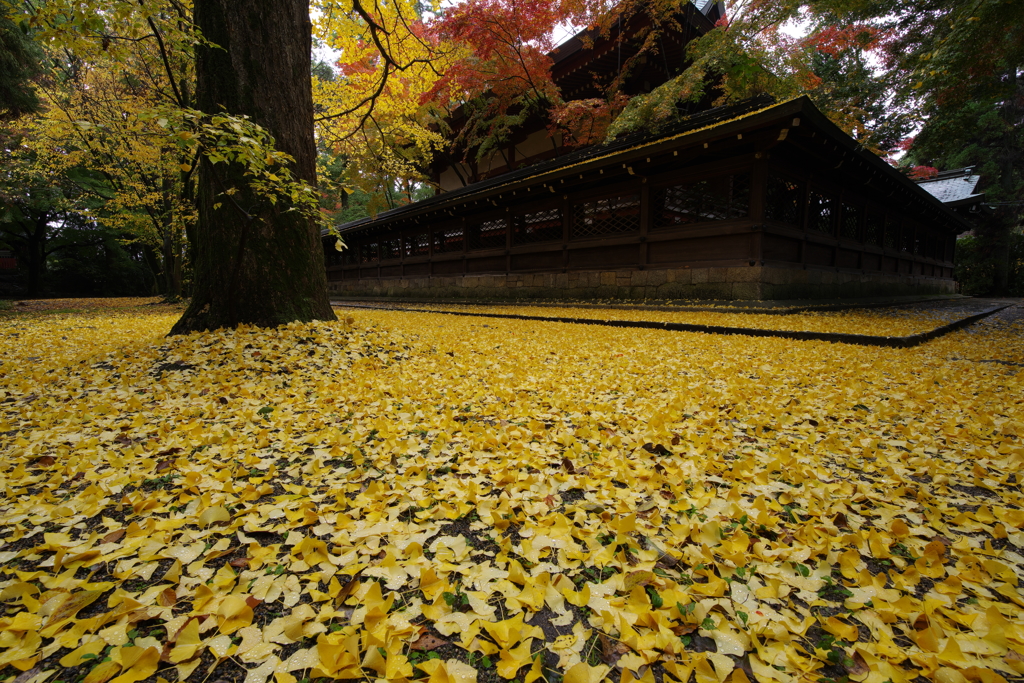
955,187
717,123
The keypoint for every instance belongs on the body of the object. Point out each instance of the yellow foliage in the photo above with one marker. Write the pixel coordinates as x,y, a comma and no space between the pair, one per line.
605,497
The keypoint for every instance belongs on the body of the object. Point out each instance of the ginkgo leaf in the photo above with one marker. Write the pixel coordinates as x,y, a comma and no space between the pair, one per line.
513,659
138,663
213,515
584,673
427,493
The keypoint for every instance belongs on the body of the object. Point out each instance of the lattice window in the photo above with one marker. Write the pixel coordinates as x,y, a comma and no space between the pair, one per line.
350,253
739,201
915,239
418,244
677,205
391,249
892,232
821,212
712,199
448,240
873,228
332,257
907,239
849,227
368,252
488,234
783,200
611,216
538,226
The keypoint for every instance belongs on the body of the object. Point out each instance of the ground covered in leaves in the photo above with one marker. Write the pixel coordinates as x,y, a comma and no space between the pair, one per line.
419,496
893,321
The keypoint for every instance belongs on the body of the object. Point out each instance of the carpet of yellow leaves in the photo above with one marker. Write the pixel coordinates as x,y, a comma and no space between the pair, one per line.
882,322
413,496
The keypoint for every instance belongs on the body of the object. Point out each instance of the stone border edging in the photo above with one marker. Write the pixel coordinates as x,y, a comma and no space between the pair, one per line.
906,342
788,310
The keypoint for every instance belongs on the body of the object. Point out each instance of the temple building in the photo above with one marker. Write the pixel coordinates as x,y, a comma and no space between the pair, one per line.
759,200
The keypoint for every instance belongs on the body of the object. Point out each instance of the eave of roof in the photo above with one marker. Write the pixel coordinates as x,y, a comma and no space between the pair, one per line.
966,201
953,188
638,146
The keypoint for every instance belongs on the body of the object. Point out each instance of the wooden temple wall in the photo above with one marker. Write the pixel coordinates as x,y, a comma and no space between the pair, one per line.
737,229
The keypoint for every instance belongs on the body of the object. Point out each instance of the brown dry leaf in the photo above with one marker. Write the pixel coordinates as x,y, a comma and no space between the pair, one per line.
426,642
347,588
113,536
28,675
859,667
612,650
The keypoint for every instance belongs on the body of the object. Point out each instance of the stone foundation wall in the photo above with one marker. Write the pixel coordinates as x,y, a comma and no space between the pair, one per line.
742,283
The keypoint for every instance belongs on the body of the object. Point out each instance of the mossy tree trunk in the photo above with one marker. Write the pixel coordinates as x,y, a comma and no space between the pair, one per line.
256,262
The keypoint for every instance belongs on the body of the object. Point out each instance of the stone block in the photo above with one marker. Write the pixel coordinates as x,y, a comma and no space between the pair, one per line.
746,291
638,278
672,290
719,275
711,290
656,277
698,275
744,274
608,278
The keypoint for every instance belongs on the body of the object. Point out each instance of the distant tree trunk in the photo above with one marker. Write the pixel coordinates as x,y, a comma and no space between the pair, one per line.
153,265
254,262
35,253
172,267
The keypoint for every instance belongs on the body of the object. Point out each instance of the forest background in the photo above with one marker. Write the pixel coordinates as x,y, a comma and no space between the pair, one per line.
101,137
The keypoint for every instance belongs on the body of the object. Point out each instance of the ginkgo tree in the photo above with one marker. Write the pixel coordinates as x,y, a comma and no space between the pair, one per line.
135,110
105,121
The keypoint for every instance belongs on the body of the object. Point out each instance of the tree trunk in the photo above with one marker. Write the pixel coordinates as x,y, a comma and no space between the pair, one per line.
255,262
172,287
36,248
152,263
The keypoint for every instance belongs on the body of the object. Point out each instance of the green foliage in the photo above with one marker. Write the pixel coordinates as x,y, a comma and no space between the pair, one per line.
20,61
104,268
974,271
